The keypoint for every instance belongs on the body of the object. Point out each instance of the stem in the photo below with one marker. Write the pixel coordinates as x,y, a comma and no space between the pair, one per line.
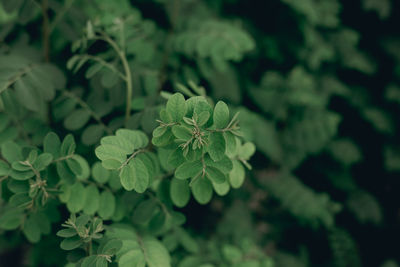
128,87
60,15
131,157
127,71
91,112
46,31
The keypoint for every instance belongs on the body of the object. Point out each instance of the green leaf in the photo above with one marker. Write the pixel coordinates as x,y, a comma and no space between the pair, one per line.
52,144
176,107
10,219
237,175
202,190
74,165
176,158
246,150
31,230
135,176
107,205
231,144
4,168
189,169
156,254
68,145
11,151
27,96
164,139
65,173
42,161
144,211
215,175
132,258
203,118
71,243
179,192
221,115
182,132
92,134
77,198
222,189
217,146
109,152
85,173
92,201
187,241
231,253
69,232
77,119
159,131
224,165
137,138
100,174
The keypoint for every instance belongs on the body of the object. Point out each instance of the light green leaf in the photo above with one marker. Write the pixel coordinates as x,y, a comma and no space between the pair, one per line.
189,169
179,192
107,205
221,115
217,146
176,107
202,190
237,175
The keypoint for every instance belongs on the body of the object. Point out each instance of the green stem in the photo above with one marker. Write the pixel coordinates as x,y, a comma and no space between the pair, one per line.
128,74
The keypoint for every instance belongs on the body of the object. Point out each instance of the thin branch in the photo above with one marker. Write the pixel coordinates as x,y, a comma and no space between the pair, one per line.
17,76
46,30
130,158
89,109
128,73
60,15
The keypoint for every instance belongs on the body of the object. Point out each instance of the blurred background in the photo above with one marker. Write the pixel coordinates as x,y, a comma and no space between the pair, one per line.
317,84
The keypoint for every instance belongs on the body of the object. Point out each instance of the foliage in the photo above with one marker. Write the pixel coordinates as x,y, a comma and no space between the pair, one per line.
198,133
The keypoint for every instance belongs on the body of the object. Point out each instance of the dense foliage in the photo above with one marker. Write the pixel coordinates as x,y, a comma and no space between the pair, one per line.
188,133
